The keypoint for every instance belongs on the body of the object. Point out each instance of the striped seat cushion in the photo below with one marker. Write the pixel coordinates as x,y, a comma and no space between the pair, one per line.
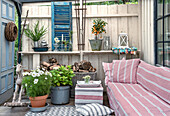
134,100
123,71
107,67
94,109
155,79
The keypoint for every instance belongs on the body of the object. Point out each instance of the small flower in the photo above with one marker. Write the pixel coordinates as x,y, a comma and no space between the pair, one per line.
34,74
46,72
38,67
37,74
35,81
50,74
41,72
26,85
43,69
38,70
55,68
46,78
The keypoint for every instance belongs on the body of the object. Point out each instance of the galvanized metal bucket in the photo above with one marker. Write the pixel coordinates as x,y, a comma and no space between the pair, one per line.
60,95
96,44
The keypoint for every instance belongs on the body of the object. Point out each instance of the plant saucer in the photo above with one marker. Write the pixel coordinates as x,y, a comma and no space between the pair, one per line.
40,109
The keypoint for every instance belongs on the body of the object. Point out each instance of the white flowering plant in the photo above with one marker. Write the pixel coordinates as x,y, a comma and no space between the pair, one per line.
37,82
62,76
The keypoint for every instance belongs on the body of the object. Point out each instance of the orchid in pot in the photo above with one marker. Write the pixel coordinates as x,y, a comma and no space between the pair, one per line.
37,84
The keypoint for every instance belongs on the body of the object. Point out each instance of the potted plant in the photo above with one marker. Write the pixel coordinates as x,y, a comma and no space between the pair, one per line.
61,82
36,33
97,29
87,78
37,84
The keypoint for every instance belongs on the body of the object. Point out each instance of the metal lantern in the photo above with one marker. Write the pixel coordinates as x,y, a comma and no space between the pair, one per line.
123,40
106,43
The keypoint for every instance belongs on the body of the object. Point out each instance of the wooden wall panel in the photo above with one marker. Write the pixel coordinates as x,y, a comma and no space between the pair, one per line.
119,18
147,33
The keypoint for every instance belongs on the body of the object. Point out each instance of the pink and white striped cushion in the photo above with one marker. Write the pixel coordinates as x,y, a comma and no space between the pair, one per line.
155,79
124,71
107,67
134,100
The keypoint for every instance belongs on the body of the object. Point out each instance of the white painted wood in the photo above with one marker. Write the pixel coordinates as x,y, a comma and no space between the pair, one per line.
147,33
36,61
120,18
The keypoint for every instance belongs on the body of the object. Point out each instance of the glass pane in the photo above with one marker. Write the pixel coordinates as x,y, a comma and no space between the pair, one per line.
167,28
160,30
167,7
160,8
167,54
160,53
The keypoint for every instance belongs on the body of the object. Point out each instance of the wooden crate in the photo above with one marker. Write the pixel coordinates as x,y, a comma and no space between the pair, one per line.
78,77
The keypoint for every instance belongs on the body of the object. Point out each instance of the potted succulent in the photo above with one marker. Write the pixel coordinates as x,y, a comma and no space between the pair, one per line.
36,33
37,84
97,29
87,78
61,82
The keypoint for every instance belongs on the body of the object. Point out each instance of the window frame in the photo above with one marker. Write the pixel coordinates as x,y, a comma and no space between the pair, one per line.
156,19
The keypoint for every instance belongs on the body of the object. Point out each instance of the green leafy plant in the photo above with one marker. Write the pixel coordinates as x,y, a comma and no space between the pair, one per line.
36,33
62,76
37,82
98,26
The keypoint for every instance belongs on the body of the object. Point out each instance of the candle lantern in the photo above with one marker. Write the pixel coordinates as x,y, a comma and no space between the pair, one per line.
106,43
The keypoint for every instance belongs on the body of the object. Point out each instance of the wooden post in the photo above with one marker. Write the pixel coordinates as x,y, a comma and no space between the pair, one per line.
81,25
36,61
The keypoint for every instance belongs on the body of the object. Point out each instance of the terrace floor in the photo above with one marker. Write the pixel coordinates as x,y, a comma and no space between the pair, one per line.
21,111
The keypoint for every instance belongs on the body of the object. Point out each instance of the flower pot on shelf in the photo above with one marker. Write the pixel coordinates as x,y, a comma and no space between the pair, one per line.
36,44
96,44
60,95
38,101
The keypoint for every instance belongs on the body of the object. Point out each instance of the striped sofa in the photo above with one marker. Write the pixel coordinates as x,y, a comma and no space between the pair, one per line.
136,88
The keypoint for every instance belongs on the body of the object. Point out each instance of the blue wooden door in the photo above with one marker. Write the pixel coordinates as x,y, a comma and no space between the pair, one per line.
6,52
61,22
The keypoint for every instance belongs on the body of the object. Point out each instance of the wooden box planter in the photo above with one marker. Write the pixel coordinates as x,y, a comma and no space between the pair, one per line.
78,77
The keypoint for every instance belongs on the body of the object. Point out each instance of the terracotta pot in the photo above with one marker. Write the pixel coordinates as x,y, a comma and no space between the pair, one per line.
38,101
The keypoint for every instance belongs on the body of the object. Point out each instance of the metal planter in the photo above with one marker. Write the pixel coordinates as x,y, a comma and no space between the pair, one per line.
60,95
96,44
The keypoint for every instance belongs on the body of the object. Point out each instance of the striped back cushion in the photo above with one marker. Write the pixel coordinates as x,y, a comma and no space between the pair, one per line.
155,79
123,71
107,67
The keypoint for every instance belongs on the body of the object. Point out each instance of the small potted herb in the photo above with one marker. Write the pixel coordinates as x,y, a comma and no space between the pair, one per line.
87,78
36,33
97,29
61,82
37,84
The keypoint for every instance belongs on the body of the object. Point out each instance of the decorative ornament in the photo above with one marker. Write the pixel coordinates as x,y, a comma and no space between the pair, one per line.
11,32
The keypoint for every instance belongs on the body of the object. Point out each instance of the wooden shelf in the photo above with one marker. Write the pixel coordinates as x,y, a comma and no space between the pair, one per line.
51,52
73,52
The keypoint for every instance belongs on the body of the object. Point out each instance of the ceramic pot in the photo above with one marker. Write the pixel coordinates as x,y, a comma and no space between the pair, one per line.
38,101
60,95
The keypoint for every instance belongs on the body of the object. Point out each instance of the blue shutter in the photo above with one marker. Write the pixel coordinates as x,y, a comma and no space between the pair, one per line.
61,23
